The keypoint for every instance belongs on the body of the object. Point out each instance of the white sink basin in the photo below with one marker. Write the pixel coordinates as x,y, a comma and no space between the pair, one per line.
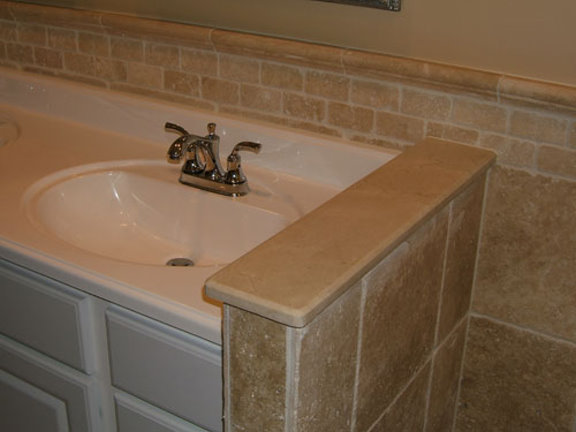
137,212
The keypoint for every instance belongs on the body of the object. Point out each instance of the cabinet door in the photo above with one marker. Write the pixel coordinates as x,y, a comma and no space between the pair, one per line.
26,408
43,314
63,383
134,415
166,367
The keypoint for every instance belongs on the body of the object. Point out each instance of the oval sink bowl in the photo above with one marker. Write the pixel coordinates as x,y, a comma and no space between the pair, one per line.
139,213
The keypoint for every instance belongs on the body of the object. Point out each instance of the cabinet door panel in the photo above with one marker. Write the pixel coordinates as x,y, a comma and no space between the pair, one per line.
42,313
134,415
173,370
25,408
63,383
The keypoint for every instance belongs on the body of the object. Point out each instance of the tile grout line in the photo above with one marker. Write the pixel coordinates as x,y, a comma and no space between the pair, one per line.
358,357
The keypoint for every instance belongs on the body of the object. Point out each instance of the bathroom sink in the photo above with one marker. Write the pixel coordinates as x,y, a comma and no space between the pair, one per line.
137,212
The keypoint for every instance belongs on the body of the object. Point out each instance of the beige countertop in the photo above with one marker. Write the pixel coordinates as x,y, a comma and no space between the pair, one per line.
297,273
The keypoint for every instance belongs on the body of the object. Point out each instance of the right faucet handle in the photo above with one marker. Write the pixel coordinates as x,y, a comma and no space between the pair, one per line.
234,173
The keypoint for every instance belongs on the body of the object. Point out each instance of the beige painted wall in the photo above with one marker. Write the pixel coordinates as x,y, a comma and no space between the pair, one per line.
530,38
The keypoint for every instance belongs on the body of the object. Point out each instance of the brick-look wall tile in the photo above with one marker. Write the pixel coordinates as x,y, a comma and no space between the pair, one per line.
572,136
32,34
182,83
260,98
445,380
511,151
49,58
239,69
96,44
516,381
199,62
284,77
102,68
452,133
327,366
538,128
376,95
400,127
144,75
256,354
557,161
408,412
166,56
20,53
327,85
304,107
398,331
8,31
2,50
479,115
350,117
220,91
425,105
127,49
62,39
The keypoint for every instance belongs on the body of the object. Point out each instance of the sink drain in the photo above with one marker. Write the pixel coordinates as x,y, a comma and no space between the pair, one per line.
180,262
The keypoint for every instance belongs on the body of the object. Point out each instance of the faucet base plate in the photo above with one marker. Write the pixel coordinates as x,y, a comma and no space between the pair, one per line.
233,190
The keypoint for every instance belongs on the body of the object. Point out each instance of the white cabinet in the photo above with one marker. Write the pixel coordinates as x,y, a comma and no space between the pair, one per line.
72,362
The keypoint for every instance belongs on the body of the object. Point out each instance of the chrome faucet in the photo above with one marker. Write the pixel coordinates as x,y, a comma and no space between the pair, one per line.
202,167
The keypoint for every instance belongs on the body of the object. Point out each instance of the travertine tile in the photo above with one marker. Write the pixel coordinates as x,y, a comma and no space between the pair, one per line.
92,43
260,98
8,31
399,126
572,136
255,349
282,76
56,16
62,39
127,49
46,57
199,62
330,86
479,114
516,381
445,381
463,233
327,366
32,34
166,56
239,69
220,91
286,51
511,151
144,75
350,117
398,331
452,133
408,412
302,106
526,268
382,66
102,68
157,31
558,161
424,104
5,13
545,95
182,83
2,50
375,95
19,53
464,79
538,127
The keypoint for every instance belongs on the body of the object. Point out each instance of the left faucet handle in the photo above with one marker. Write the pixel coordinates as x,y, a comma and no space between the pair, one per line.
177,128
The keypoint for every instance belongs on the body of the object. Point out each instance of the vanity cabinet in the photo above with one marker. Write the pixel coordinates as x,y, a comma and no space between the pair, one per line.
73,362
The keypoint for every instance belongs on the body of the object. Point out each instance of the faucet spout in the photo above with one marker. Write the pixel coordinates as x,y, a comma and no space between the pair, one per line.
202,167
